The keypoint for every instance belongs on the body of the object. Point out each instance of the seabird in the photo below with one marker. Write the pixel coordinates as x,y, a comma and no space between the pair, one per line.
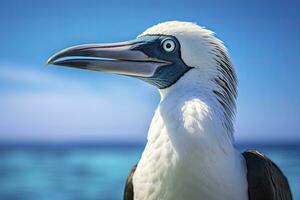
190,153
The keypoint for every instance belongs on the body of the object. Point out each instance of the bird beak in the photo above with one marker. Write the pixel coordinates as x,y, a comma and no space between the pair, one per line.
119,58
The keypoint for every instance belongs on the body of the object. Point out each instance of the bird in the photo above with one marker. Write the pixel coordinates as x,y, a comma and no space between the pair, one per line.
190,152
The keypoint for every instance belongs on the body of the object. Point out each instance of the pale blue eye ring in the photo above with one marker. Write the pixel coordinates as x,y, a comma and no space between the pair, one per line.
168,45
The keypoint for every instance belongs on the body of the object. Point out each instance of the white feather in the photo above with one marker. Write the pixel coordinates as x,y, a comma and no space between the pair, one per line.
189,154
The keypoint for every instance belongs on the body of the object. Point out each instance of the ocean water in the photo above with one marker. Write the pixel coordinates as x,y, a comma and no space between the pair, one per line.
92,173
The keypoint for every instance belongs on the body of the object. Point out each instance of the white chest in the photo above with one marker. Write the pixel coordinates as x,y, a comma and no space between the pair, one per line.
185,159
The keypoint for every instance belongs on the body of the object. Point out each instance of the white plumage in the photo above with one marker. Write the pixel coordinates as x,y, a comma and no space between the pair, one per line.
190,153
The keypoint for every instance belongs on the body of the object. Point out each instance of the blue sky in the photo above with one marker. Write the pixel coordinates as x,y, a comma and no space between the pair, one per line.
40,103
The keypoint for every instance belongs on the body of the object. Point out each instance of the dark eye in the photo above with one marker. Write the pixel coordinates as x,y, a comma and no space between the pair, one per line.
168,45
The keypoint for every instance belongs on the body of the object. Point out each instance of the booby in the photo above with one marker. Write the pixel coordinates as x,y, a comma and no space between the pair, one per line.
190,153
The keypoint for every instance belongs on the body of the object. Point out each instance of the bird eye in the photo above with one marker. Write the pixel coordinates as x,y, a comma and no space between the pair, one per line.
168,45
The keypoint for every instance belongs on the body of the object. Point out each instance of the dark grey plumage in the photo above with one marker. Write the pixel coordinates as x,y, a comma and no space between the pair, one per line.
128,192
226,83
265,179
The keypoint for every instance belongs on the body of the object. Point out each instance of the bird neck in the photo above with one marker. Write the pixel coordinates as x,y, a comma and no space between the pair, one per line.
190,110
192,99
188,142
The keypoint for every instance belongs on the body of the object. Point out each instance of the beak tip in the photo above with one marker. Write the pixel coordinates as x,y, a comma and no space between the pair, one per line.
51,60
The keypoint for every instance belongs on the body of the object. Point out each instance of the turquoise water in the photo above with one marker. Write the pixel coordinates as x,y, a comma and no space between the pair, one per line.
71,173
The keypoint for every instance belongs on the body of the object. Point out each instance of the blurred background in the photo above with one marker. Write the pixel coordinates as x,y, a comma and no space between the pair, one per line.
75,134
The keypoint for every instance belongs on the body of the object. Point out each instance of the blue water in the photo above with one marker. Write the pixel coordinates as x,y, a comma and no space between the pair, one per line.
49,173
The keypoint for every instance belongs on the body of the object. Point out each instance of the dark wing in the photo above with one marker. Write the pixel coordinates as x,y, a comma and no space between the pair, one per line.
128,192
265,179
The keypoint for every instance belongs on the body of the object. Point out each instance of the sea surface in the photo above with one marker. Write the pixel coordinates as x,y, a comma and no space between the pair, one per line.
93,172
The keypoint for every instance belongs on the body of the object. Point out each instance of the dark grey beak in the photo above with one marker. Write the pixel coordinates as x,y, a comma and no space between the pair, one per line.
118,58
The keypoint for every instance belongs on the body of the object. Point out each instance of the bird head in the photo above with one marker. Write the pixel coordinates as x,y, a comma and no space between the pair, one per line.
161,56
